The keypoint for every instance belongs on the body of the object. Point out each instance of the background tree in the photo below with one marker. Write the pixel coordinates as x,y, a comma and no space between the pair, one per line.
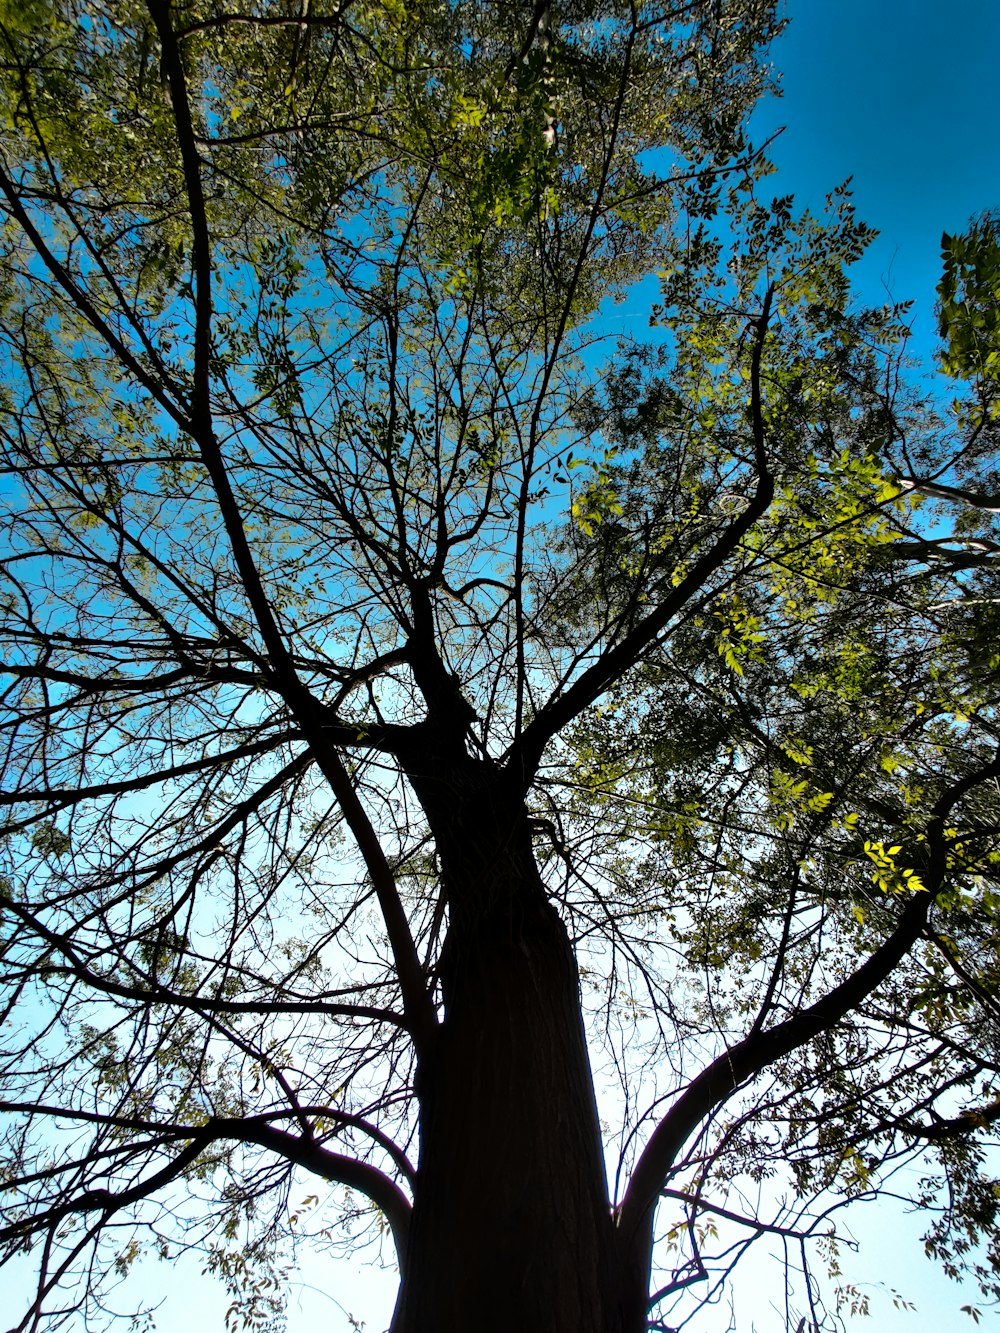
411,707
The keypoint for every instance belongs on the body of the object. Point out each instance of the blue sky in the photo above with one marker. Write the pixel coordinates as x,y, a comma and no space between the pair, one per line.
900,95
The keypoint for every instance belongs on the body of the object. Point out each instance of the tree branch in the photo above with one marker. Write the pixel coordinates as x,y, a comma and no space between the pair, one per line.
338,1168
526,752
981,1117
715,1084
939,491
61,796
305,708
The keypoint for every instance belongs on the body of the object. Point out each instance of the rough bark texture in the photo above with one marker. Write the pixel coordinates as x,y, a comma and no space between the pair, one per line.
511,1228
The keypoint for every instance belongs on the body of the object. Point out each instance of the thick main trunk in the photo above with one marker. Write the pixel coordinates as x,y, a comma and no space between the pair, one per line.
511,1230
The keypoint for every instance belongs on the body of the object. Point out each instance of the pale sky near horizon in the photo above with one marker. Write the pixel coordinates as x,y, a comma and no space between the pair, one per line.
899,94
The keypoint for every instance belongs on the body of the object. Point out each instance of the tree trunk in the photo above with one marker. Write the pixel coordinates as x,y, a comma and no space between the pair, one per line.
511,1229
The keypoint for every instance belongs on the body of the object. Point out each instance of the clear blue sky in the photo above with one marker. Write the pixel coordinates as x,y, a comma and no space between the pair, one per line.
901,95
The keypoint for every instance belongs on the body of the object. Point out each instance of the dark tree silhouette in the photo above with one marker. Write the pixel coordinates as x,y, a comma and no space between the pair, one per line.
415,700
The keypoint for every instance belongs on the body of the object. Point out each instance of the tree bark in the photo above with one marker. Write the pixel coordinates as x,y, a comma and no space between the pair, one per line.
511,1226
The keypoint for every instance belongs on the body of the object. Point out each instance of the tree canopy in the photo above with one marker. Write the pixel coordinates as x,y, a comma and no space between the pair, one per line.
429,718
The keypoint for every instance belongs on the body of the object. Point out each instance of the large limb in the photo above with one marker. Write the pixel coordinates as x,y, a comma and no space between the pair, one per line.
307,711
57,797
937,490
525,753
761,1049
338,1168
527,760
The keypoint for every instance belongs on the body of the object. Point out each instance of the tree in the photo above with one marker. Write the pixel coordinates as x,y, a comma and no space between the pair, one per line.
412,701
